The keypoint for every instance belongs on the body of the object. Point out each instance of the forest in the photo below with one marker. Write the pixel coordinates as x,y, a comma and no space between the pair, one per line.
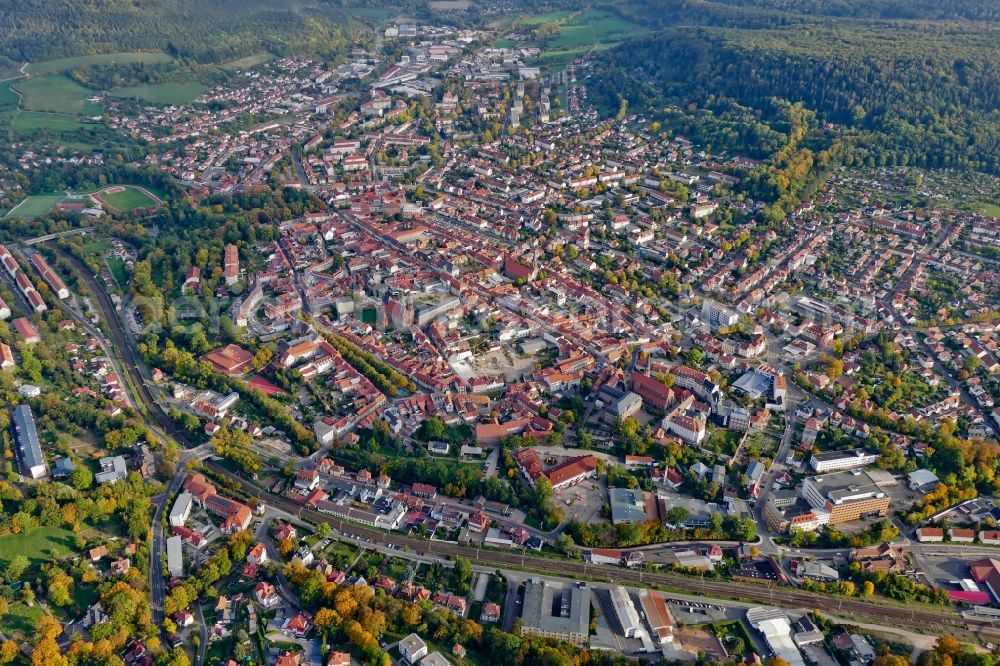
34,30
899,92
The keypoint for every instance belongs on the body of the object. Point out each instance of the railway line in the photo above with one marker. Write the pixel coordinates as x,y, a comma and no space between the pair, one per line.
913,618
934,622
129,359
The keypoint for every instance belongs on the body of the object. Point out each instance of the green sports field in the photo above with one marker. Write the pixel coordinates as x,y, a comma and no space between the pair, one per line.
35,206
127,199
163,93
67,64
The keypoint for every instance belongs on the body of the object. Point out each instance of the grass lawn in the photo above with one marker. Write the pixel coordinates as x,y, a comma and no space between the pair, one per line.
504,43
117,268
8,104
396,569
27,122
56,93
21,620
66,64
40,545
163,93
249,61
97,247
34,206
991,209
129,198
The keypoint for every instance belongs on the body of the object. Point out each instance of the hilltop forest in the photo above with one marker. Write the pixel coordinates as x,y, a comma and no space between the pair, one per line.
216,31
902,83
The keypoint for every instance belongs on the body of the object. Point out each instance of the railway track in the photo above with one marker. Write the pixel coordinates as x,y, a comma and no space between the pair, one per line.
912,618
128,355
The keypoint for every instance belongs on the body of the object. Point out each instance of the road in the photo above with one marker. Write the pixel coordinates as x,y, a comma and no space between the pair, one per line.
202,633
133,366
930,619
261,535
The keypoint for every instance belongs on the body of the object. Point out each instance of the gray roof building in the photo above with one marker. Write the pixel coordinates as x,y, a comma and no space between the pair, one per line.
29,448
113,469
627,505
175,557
557,611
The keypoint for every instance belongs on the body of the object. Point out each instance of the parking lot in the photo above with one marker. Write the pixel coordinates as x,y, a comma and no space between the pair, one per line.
583,501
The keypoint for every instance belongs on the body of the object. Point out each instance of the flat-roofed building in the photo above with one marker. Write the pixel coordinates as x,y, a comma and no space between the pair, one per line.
557,611
627,505
845,496
831,461
625,611
181,510
175,557
412,648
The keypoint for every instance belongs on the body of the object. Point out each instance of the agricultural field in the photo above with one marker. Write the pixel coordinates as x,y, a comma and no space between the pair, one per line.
8,104
249,61
594,28
991,209
33,207
548,17
450,5
163,93
57,94
125,198
27,122
67,64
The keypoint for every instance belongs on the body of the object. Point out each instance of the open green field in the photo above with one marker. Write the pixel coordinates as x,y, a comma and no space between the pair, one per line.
97,247
8,104
991,209
66,64
27,122
117,268
56,93
504,43
38,545
548,17
126,199
593,28
163,93
33,207
249,61
21,620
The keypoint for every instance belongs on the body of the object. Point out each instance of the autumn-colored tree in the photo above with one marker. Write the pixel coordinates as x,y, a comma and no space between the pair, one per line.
327,620
46,652
8,651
